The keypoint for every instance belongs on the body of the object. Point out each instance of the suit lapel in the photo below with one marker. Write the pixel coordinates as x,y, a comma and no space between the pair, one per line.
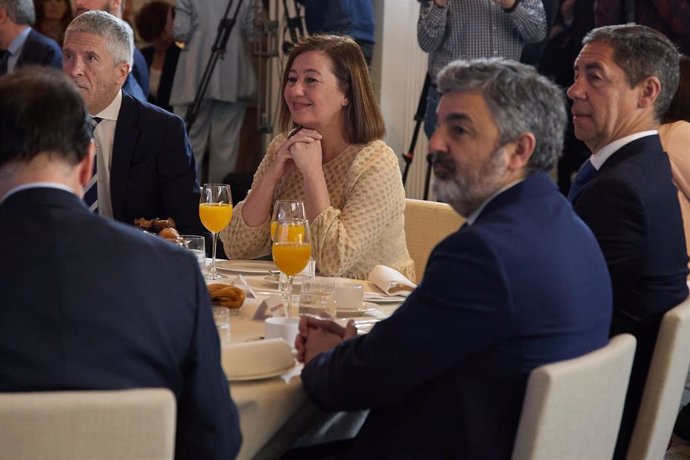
126,138
636,147
27,49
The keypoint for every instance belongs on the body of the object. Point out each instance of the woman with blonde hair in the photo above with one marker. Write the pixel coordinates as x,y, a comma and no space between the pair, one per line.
334,160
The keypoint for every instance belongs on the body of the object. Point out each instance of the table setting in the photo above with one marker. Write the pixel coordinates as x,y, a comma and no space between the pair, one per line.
256,307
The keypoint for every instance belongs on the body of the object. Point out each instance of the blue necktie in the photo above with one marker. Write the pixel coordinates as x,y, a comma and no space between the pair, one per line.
584,175
91,189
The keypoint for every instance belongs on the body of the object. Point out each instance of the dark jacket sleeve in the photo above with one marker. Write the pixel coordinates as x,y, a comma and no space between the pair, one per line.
208,421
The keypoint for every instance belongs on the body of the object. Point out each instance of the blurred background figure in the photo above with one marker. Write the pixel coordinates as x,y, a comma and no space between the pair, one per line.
154,24
575,18
342,17
19,43
467,29
334,160
53,17
218,122
670,17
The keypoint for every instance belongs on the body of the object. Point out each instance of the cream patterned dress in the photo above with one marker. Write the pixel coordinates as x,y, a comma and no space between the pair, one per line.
363,227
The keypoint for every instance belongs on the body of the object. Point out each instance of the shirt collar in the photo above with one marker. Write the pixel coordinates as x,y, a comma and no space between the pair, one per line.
475,214
19,188
110,112
599,158
18,42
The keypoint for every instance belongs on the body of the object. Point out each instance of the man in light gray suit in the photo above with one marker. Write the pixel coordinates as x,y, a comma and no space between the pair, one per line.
233,81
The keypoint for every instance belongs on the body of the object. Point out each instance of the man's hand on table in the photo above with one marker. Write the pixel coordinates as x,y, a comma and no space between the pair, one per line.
319,335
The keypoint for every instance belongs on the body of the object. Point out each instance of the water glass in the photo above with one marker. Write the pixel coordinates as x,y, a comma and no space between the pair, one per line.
196,245
317,297
221,316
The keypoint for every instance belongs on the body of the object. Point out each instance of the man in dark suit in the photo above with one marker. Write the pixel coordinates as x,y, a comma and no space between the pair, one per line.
625,77
145,167
137,82
445,375
19,43
87,302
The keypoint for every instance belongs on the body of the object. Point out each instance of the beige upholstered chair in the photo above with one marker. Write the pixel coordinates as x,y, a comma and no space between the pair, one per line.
664,386
426,224
93,425
572,409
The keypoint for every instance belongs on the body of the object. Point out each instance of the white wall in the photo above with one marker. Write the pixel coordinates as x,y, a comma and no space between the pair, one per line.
399,70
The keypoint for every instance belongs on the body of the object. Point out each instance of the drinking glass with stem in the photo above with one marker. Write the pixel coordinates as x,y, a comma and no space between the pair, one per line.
215,211
286,209
291,250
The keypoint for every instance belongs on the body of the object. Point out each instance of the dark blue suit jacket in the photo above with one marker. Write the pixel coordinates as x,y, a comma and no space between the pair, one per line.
137,83
89,303
631,205
40,50
153,172
445,375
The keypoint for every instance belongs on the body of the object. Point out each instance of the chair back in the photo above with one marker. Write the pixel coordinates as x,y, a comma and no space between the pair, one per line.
426,224
572,409
94,425
664,386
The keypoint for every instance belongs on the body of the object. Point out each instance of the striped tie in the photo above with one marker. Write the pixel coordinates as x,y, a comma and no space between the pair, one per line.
91,189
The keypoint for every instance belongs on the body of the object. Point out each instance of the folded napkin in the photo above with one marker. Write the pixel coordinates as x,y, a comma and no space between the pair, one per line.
240,282
256,359
391,281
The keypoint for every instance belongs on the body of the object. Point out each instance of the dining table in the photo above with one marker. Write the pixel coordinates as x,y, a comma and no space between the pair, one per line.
275,412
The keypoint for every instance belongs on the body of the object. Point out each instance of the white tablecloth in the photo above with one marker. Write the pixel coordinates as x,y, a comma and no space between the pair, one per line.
273,414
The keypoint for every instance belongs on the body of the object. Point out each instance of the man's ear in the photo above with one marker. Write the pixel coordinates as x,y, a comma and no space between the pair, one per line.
650,88
123,70
85,166
522,151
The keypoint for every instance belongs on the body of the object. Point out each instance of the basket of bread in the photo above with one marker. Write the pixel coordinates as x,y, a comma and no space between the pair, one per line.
165,228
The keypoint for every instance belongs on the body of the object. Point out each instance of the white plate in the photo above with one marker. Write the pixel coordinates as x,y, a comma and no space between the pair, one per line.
382,298
246,266
265,375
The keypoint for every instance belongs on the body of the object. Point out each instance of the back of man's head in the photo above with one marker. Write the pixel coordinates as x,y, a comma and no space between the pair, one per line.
20,12
119,39
520,101
641,52
43,112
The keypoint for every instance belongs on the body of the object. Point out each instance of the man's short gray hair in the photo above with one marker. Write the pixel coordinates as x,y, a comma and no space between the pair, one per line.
520,100
641,52
119,39
20,11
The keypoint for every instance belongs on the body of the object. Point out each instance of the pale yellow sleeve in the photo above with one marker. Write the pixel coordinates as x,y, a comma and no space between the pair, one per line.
349,241
240,241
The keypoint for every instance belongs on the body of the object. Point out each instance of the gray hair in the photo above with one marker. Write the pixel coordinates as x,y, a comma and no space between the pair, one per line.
119,39
519,99
20,11
642,52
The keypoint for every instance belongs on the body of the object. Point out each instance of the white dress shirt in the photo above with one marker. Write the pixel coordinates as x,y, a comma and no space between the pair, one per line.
104,135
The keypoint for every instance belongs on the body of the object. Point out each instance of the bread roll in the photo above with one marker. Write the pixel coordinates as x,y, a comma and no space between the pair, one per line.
225,295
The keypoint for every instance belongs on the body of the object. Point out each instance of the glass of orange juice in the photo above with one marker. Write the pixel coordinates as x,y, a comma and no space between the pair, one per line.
291,250
215,211
286,209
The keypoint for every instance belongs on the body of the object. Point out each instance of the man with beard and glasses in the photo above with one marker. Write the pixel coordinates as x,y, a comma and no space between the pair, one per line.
522,284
